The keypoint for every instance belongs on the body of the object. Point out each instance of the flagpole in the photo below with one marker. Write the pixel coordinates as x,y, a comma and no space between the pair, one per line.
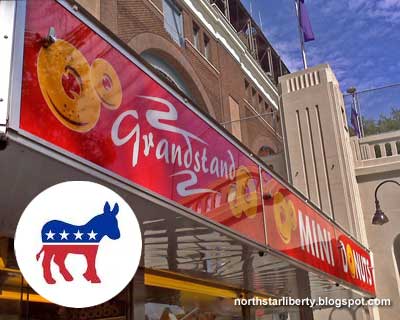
303,50
359,114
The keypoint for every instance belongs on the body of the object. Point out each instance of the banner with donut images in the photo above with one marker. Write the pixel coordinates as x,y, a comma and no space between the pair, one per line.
93,101
88,98
297,230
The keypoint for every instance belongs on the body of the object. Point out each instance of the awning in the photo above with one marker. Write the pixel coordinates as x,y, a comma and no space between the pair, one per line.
178,244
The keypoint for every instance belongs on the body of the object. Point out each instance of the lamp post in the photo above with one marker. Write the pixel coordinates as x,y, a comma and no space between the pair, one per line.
379,217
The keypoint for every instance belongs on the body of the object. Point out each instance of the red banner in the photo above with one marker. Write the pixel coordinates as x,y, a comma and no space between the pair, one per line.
355,264
84,96
297,230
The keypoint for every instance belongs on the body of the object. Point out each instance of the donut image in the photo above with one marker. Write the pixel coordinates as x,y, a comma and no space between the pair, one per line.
106,83
243,194
285,217
350,261
64,79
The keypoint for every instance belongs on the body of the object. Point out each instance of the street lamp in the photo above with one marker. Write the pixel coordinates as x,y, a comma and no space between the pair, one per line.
379,217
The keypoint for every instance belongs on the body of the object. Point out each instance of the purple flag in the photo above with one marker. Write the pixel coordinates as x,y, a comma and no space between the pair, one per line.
354,121
305,23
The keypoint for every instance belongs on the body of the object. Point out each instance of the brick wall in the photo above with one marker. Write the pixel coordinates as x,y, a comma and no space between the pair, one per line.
211,81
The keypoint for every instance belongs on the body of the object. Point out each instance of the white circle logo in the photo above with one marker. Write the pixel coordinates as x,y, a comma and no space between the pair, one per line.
78,244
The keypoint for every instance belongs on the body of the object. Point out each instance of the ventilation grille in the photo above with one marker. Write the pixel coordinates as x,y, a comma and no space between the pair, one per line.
303,81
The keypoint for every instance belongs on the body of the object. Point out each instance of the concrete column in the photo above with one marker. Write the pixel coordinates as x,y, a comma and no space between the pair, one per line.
318,146
303,285
93,6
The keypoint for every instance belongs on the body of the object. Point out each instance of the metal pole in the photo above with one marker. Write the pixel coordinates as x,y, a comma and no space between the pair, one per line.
354,106
358,108
379,88
249,117
382,183
303,51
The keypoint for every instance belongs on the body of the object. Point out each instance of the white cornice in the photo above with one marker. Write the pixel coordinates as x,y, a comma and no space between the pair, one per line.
223,31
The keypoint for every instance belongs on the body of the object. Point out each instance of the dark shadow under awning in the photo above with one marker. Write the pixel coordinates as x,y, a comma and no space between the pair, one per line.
175,239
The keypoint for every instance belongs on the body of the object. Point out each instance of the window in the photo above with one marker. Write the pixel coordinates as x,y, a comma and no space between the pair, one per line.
253,97
207,47
247,90
173,21
162,65
260,103
235,118
196,36
246,84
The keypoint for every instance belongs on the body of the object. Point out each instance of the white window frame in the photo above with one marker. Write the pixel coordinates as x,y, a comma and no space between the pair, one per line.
174,27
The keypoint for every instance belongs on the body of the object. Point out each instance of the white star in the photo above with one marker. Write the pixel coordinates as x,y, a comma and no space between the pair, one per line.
92,235
78,235
64,235
50,235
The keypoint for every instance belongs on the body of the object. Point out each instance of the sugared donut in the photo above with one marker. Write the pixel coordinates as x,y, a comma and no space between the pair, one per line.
243,197
65,82
106,83
285,217
350,261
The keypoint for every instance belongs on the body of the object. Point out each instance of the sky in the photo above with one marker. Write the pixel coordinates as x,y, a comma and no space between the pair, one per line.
360,39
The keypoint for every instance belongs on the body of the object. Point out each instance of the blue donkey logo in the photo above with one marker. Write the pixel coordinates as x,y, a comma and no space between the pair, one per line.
60,238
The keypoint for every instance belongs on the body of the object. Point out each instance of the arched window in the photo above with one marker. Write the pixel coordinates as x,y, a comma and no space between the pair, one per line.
168,70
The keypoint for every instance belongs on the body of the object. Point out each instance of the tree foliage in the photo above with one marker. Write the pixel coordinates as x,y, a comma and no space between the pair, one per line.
383,124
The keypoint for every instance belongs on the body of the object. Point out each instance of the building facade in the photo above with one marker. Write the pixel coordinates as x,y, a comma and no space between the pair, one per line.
213,61
247,71
215,54
372,167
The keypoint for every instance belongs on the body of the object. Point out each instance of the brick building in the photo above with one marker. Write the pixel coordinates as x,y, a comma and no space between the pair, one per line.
214,53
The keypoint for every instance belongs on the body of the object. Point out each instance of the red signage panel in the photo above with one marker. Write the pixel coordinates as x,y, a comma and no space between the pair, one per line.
84,96
355,264
296,230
